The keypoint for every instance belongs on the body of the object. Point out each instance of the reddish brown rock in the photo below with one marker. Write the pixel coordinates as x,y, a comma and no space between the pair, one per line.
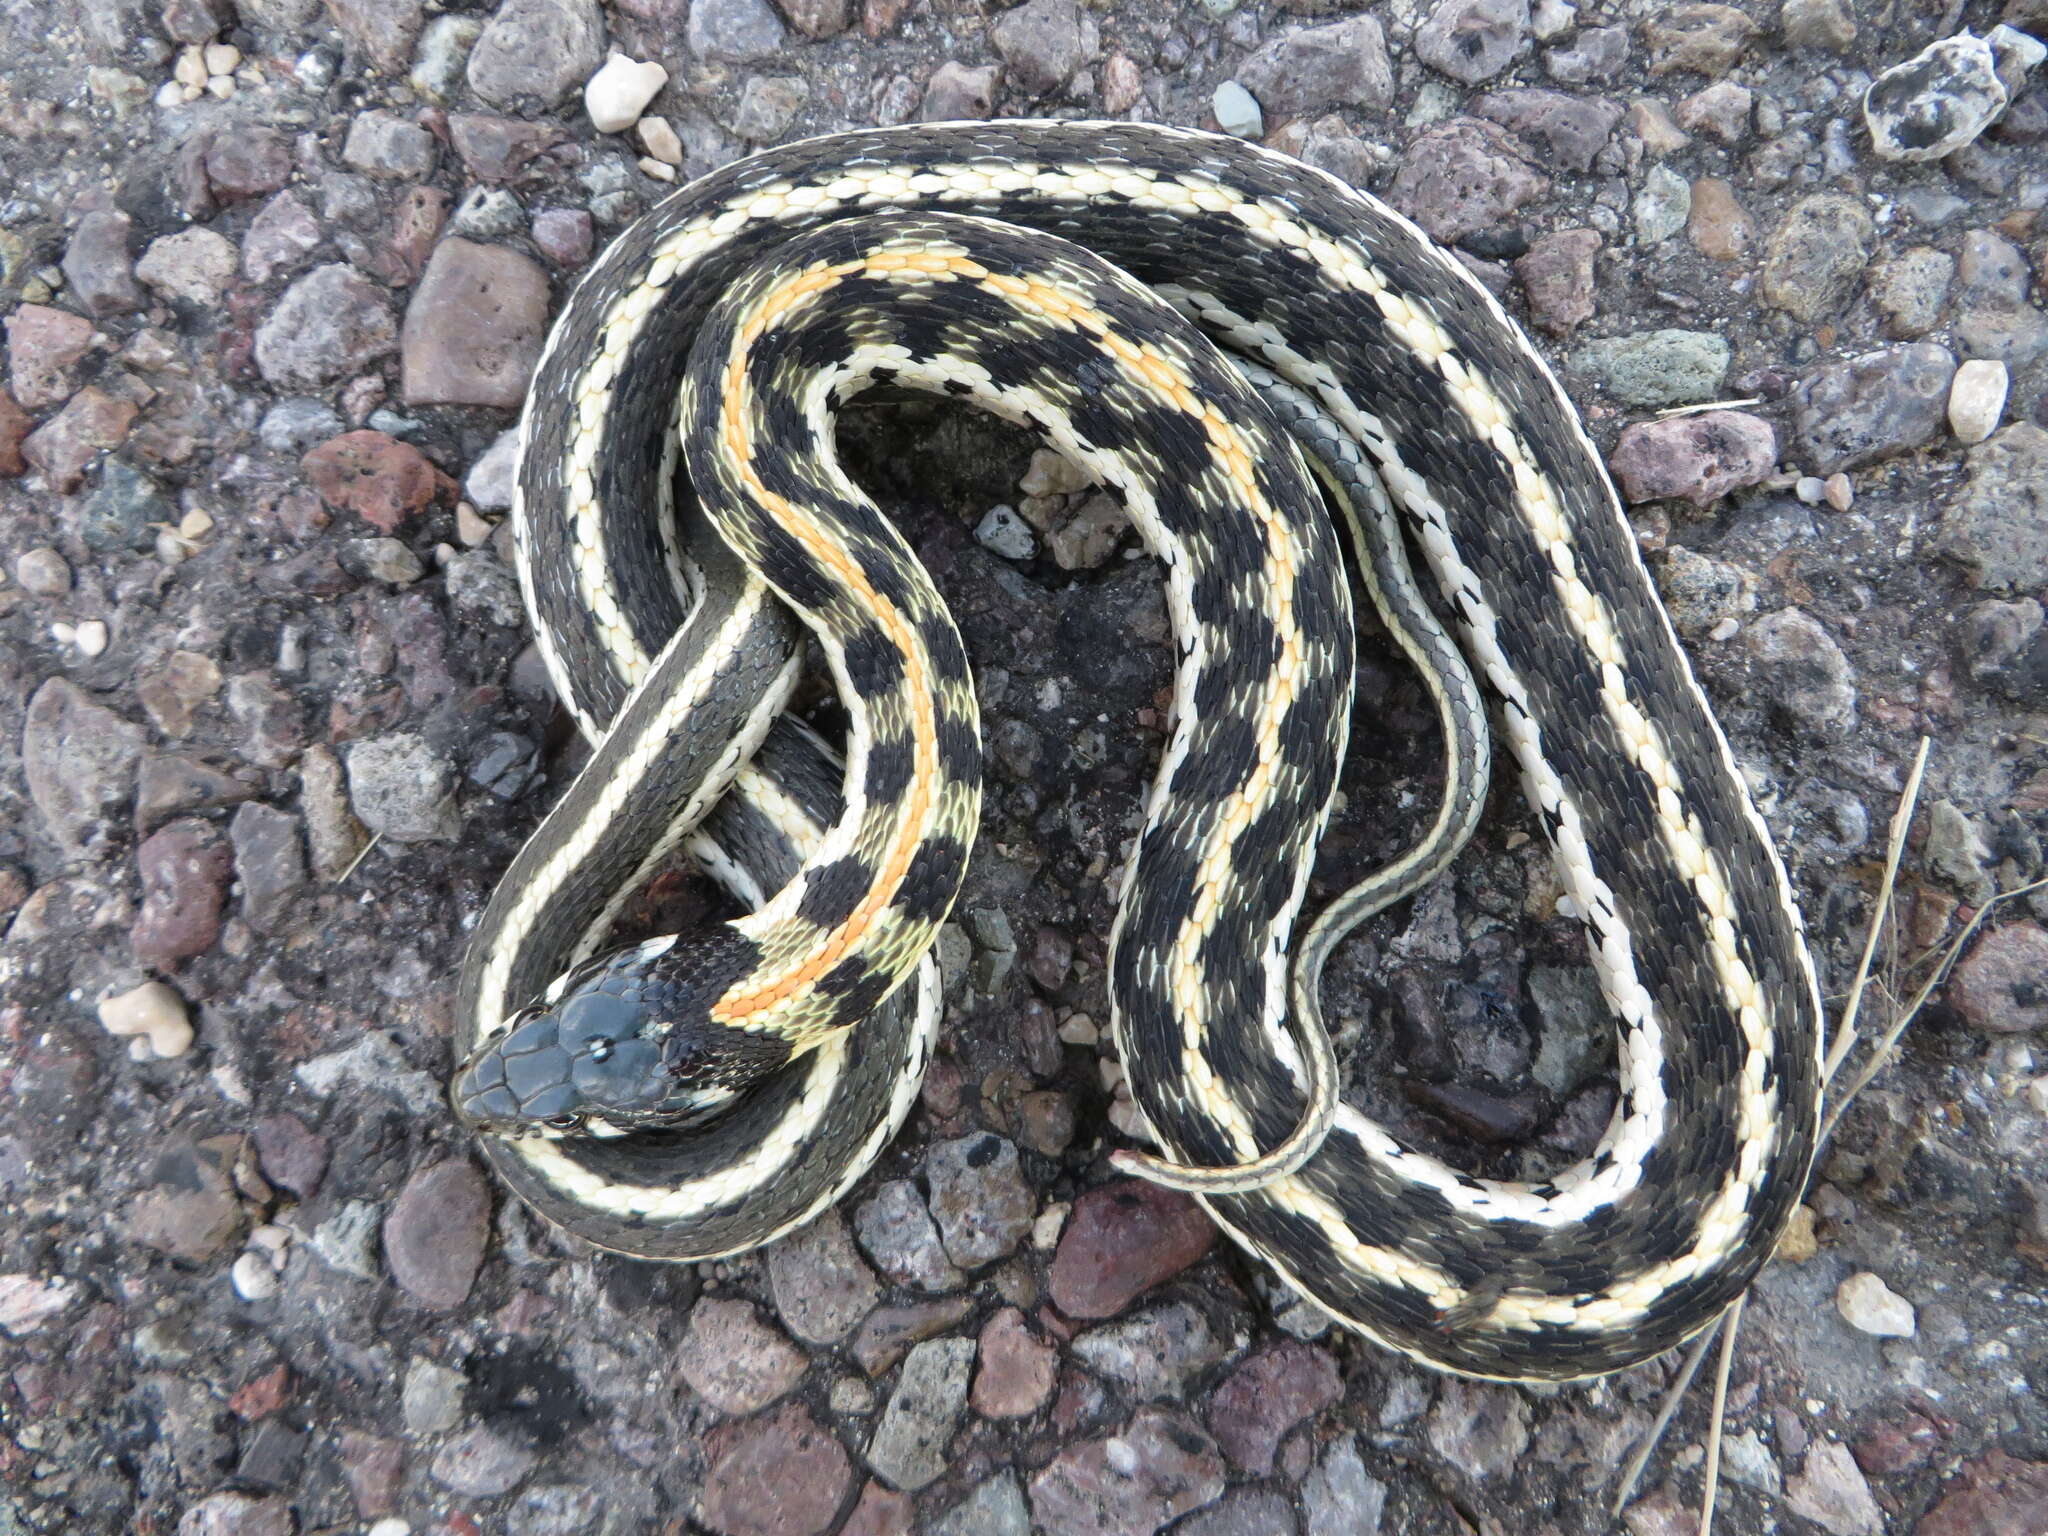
1016,1369
1267,1396
1557,276
880,1512
782,1475
377,477
735,1359
435,1232
499,148
1699,458
374,1467
1999,985
260,1398
474,328
15,426
1998,1496
190,1210
1463,176
1122,1240
245,161
67,443
1156,1469
44,346
185,869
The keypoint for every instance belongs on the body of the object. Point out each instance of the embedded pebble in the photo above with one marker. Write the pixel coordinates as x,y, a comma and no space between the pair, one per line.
780,1475
403,788
898,1234
435,1231
1016,1368
1976,399
1339,1497
152,1017
1237,112
620,91
1480,1428
1004,532
1815,255
1121,1240
1701,457
1870,1306
909,1444
1157,1468
1997,524
1804,672
1314,69
979,1198
1831,1491
1996,987
481,1463
821,1287
1869,407
995,1508
1473,40
1651,368
536,51
1155,1353
1266,1396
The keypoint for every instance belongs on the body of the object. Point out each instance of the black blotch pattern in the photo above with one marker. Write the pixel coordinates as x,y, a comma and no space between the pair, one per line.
932,879
832,891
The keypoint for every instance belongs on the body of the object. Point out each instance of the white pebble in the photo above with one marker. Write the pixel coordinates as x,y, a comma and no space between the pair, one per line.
619,92
1079,1029
1870,1306
390,1525
1977,399
253,1278
220,87
170,94
92,638
1007,534
649,166
154,1015
1237,111
1045,1231
1811,489
659,140
222,58
190,70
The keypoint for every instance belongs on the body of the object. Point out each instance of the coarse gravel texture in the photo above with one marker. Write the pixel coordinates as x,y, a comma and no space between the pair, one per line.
273,275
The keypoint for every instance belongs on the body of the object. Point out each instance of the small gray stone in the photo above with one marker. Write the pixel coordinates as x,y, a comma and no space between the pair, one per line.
79,760
734,1359
1909,290
403,788
1314,69
347,1240
1663,206
820,1285
330,323
505,764
1653,368
556,1509
1042,42
385,144
384,29
1596,54
959,93
1703,39
1815,256
481,1464
279,239
1990,271
1005,533
297,423
435,1231
1481,1428
97,265
270,863
430,1400
43,572
1575,1040
995,1508
489,213
1154,1354
768,105
1827,25
1936,102
734,31
443,52
124,509
1156,1469
538,51
897,1232
1242,1512
2014,337
1557,277
1339,1497
909,1445
1803,672
1574,129
1473,40
491,479
1830,1490
1868,408
979,1197
1997,525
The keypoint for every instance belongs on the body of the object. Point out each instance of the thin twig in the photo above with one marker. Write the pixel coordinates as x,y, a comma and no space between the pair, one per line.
1672,1398
1895,852
1731,1325
361,854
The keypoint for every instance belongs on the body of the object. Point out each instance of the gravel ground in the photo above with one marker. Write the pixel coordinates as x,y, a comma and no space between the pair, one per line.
274,273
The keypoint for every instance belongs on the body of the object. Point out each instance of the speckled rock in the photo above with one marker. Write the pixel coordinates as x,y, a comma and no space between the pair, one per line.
1473,40
1594,55
1557,278
1155,1353
995,1508
44,349
330,323
1573,129
474,328
1830,1490
1016,1367
1159,1467
1935,102
1815,255
383,29
958,92
1481,1428
1120,1241
1702,594
279,238
79,759
1867,408
98,267
734,31
184,867
1242,1512
1464,176
909,1444
1312,69
377,477
1703,39
1700,458
783,1475
1339,1497
821,1287
536,51
481,1463
898,1233
979,1198
189,1210
1042,43
64,447
403,788
1653,368
1996,987
1803,671
1267,1396
1989,1497
193,266
734,1358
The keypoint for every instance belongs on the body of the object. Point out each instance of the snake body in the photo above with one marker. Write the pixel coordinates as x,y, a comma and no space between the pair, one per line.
1081,279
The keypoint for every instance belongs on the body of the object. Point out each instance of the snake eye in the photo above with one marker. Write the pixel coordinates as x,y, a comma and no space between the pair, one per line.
563,1122
600,1050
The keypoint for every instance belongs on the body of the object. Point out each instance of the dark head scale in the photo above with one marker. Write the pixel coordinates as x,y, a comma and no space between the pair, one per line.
624,1042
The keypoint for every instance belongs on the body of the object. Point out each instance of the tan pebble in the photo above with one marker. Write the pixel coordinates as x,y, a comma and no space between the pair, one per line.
1841,495
620,90
190,70
471,526
1976,399
649,166
222,58
153,1017
659,140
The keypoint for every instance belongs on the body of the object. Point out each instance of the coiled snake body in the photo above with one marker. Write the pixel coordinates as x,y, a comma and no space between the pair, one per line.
697,1095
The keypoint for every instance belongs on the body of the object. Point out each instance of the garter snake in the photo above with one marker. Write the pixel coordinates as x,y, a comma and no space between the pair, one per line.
1081,279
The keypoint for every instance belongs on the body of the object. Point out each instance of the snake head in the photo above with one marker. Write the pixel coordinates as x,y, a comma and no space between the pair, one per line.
624,1042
